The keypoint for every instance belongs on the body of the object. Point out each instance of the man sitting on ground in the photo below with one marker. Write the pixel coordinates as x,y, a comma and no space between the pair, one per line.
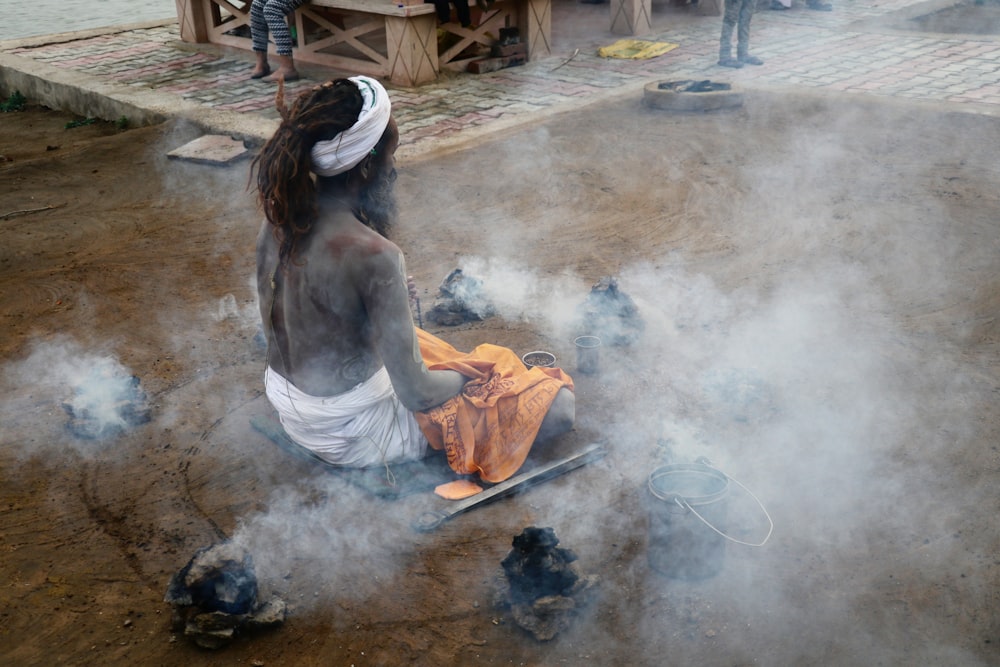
351,377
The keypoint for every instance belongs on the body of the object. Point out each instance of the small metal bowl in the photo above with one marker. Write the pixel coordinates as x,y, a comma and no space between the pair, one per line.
539,358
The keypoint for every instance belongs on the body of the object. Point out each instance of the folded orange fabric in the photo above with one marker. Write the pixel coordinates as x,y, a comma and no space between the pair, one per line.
458,490
488,429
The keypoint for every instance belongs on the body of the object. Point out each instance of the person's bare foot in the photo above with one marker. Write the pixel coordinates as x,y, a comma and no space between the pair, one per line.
282,73
260,72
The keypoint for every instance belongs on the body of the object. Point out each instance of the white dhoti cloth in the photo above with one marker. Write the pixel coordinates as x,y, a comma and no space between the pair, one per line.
362,427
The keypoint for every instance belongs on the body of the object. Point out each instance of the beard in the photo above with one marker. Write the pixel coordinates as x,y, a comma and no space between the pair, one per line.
377,206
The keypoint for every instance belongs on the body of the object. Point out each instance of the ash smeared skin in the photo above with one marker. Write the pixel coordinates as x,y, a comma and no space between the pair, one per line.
356,369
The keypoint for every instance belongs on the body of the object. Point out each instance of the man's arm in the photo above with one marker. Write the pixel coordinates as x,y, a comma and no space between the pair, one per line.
386,297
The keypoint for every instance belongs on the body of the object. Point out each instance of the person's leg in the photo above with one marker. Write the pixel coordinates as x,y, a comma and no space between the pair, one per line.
729,18
560,417
262,68
743,35
443,9
258,37
276,13
464,15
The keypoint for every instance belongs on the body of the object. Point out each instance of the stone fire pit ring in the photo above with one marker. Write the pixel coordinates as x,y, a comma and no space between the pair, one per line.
692,96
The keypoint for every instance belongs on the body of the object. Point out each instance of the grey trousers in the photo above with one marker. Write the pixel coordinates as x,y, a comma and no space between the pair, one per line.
738,14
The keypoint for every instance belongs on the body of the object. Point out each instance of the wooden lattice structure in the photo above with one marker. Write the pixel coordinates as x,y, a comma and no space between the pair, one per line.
397,39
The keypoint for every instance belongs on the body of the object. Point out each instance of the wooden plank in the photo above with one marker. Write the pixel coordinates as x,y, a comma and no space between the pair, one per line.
339,35
191,19
412,45
631,17
534,19
383,7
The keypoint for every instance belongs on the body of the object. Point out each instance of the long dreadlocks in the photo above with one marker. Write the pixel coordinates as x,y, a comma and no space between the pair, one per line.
285,188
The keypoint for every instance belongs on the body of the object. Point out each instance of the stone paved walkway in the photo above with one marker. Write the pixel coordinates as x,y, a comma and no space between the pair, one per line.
858,48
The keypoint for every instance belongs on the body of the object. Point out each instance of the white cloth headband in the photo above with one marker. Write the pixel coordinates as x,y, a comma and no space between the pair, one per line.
347,149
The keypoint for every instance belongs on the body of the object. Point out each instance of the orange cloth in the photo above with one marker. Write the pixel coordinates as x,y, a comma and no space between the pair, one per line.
490,426
458,490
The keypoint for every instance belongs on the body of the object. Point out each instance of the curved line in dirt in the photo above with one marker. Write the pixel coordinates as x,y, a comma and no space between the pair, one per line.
202,374
112,525
193,451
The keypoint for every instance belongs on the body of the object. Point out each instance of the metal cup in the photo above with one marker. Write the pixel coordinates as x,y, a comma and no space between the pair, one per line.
588,354
539,358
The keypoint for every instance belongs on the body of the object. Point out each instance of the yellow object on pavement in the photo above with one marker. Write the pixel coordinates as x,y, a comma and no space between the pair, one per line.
635,49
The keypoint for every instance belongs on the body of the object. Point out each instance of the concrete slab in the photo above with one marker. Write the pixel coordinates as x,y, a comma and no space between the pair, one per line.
211,149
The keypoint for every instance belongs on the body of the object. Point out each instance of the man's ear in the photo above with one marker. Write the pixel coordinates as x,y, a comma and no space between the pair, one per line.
365,167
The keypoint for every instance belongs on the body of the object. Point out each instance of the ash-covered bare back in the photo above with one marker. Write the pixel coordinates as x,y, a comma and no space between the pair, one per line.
340,310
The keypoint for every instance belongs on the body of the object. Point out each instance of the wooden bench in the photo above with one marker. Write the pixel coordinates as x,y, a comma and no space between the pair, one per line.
635,17
394,39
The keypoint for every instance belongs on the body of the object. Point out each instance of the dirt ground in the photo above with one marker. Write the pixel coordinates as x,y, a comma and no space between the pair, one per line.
818,282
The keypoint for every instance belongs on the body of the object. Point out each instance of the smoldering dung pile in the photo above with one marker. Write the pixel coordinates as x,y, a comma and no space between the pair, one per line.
610,314
544,586
607,312
460,299
103,406
215,597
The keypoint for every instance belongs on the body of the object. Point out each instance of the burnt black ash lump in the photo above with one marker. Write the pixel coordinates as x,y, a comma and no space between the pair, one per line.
610,314
217,578
545,588
214,597
536,567
460,299
703,86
